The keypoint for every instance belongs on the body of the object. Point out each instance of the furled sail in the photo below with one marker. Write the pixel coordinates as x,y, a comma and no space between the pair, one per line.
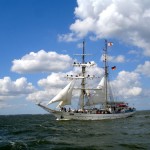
64,96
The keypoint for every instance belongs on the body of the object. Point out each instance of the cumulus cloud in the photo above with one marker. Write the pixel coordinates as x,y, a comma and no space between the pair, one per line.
127,84
41,61
70,37
116,59
40,95
53,80
144,69
128,21
11,89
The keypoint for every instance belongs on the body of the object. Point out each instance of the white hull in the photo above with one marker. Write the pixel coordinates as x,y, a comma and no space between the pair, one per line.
61,115
83,116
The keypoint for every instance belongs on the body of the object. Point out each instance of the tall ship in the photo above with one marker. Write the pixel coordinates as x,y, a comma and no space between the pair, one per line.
93,103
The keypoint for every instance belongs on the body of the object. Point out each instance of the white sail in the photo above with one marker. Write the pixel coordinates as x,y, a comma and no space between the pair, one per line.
64,96
98,97
101,83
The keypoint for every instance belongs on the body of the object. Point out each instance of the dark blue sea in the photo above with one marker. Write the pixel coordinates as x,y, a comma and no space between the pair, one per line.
43,132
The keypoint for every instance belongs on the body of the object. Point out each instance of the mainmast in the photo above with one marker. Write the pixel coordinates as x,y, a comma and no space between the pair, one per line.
82,76
83,92
106,72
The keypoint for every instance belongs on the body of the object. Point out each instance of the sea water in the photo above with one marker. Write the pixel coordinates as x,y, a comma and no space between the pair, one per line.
43,132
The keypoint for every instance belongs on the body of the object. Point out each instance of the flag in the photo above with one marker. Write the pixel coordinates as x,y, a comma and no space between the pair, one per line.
110,44
113,68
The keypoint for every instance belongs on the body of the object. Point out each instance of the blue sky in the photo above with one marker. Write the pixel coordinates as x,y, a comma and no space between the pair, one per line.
38,40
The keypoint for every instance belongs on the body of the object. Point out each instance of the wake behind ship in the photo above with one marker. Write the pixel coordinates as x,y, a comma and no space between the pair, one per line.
94,103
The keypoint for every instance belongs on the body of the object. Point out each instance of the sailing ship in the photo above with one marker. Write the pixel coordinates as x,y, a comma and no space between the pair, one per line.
94,103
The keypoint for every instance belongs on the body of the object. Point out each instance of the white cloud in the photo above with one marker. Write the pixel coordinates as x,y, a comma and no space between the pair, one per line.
39,96
119,59
11,89
144,69
41,62
116,59
127,84
84,27
67,37
52,81
128,21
